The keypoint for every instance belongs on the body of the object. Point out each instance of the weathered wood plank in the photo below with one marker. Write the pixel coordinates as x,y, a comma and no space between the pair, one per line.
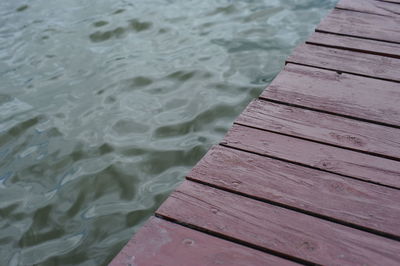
278,229
371,7
346,200
322,127
164,243
355,44
350,95
362,25
337,160
370,65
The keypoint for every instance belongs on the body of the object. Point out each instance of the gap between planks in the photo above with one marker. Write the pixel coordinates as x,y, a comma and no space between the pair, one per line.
274,229
232,239
355,44
309,191
391,1
162,242
347,95
323,128
370,7
315,141
362,25
340,161
345,61
327,112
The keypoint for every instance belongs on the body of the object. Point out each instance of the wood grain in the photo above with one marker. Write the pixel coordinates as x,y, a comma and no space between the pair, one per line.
329,158
347,61
371,7
346,200
350,95
355,44
356,24
164,243
322,127
277,229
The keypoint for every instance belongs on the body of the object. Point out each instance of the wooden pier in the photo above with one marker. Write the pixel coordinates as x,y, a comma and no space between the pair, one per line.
310,171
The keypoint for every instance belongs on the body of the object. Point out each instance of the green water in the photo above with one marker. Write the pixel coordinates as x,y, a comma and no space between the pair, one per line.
105,105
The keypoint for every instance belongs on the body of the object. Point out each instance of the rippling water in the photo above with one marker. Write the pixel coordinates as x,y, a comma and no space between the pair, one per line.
105,105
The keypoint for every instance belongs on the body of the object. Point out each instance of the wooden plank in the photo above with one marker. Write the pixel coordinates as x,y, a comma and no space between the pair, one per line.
350,95
340,198
329,158
164,243
371,7
273,228
355,44
369,65
356,24
322,127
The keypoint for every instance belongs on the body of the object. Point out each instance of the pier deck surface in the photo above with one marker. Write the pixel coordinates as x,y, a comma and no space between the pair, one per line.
310,171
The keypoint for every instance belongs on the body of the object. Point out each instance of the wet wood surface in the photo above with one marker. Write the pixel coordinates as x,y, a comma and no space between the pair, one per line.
351,62
363,25
322,127
310,172
366,98
371,7
160,242
355,44
274,228
369,206
336,160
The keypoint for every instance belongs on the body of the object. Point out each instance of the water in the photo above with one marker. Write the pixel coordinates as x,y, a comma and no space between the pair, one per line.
105,105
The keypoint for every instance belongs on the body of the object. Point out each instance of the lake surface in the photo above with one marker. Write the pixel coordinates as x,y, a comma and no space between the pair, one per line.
106,105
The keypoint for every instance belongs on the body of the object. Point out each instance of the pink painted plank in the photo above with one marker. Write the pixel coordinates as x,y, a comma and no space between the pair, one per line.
278,229
350,95
371,7
329,158
344,199
355,44
160,242
370,65
362,25
332,129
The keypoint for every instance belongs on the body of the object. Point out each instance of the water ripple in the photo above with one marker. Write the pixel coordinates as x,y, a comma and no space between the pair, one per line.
106,105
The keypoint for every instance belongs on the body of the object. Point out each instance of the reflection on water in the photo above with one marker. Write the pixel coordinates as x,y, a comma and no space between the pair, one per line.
105,105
